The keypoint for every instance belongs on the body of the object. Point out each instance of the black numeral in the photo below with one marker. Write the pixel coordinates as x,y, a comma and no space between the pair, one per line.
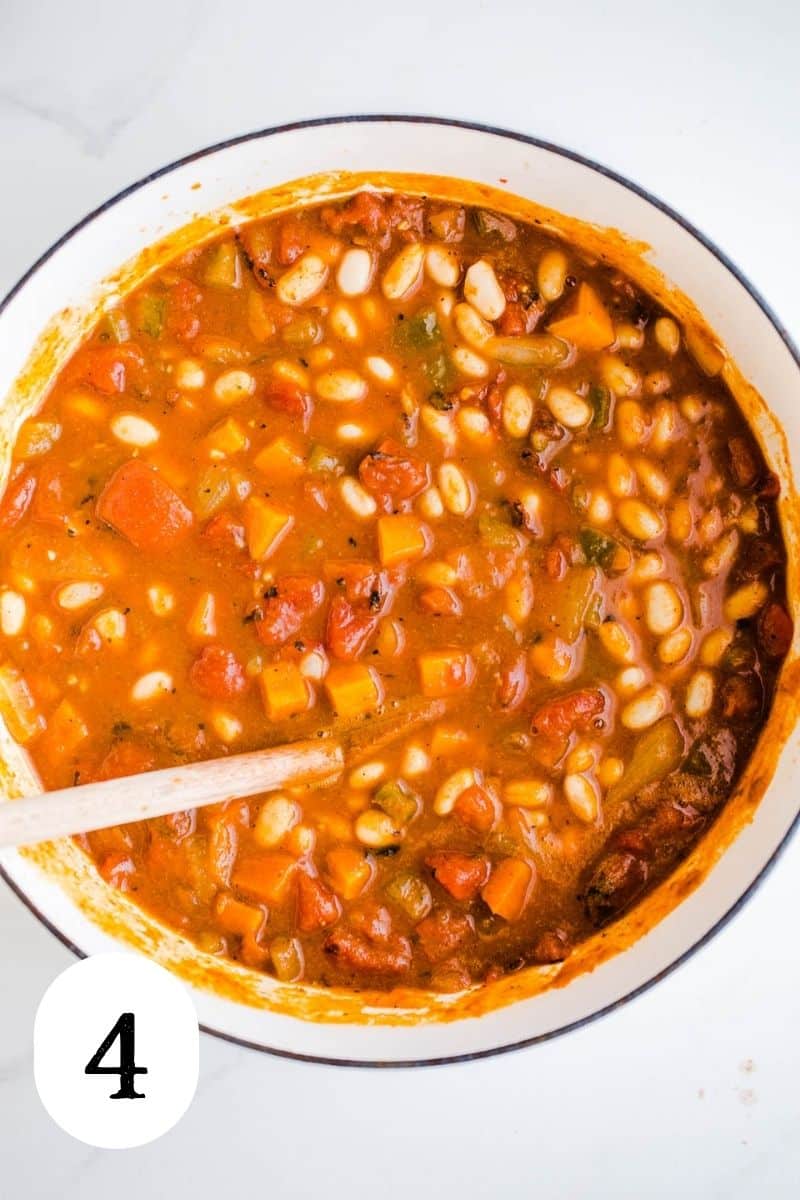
125,1030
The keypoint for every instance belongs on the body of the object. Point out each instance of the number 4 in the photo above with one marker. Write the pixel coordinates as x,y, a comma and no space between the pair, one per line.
125,1030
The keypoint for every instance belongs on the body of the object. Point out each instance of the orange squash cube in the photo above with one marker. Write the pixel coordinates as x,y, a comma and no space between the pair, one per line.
268,877
17,706
402,538
588,326
227,438
445,672
508,888
265,526
353,689
66,729
281,460
286,692
350,871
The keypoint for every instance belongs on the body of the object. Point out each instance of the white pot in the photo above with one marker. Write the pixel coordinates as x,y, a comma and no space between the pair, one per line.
58,884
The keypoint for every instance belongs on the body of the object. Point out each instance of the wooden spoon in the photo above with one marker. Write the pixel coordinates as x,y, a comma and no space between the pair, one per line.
91,806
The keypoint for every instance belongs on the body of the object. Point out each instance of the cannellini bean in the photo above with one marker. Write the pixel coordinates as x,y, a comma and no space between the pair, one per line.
663,608
483,291
416,761
630,681
610,771
341,385
134,430
302,281
456,489
471,326
647,566
357,498
441,425
404,272
681,521
617,641
190,375
746,601
645,709
111,625
343,324
381,369
77,595
652,479
631,423
161,599
449,791
279,814
350,432
442,265
469,363
675,646
667,335
355,272
527,793
293,372
151,686
517,411
227,727
551,274
617,375
629,337
568,408
13,611
693,408
699,694
444,304
582,758
621,477
475,425
430,504
721,556
376,829
582,797
519,595
437,574
714,647
657,383
366,775
530,501
233,386
640,520
314,664
552,659
664,427
600,509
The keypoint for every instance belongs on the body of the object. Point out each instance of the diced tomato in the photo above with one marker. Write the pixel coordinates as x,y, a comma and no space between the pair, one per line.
292,241
256,241
774,630
361,580
365,209
142,506
744,464
551,947
317,905
223,845
224,532
126,758
462,875
477,809
49,504
286,606
217,674
119,870
355,950
391,471
16,499
348,628
291,399
443,932
407,217
576,712
740,697
513,321
182,320
440,602
182,823
106,368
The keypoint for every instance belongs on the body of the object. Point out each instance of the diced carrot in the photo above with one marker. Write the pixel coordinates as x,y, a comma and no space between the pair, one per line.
265,526
234,916
459,874
286,692
141,506
350,871
202,621
353,689
281,460
106,367
16,499
267,876
227,438
317,906
448,740
66,729
444,672
508,888
402,538
17,706
588,326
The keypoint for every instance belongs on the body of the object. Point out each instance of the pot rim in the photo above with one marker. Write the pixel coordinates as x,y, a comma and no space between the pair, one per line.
697,235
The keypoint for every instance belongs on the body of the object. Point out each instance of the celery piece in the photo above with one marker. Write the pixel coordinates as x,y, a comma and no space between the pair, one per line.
398,801
152,311
497,532
320,458
224,267
600,399
657,753
410,893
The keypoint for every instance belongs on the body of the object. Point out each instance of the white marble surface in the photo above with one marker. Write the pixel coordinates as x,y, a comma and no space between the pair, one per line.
692,1089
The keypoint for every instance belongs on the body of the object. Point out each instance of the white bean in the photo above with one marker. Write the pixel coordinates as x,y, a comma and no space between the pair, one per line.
376,829
551,275
456,489
647,708
483,291
469,363
355,272
471,326
341,385
663,608
442,265
451,789
366,775
517,411
568,408
357,498
699,694
639,520
581,795
133,430
151,686
233,386
190,375
303,281
13,611
278,816
381,369
746,602
404,272
72,596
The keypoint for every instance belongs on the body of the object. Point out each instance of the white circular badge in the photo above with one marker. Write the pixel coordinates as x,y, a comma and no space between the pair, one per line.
116,1050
